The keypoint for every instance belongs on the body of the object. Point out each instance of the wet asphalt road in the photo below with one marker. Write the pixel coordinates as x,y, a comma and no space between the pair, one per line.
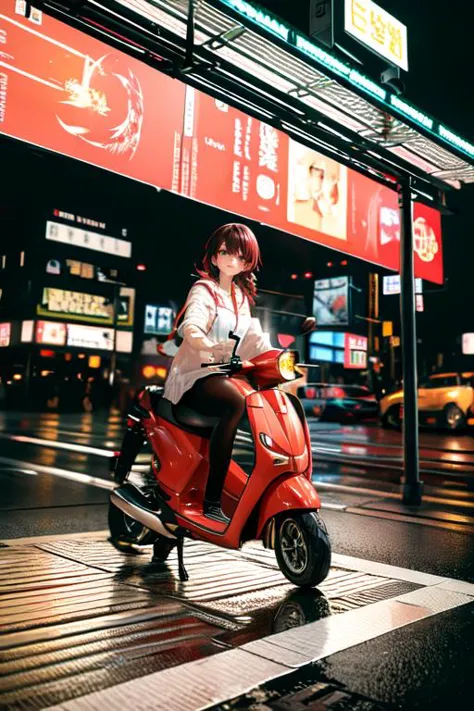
52,488
361,506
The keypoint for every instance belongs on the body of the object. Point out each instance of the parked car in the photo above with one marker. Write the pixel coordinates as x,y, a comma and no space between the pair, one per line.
444,400
338,403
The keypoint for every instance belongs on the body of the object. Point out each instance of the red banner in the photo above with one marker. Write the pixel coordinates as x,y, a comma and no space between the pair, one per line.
232,160
68,92
65,91
244,166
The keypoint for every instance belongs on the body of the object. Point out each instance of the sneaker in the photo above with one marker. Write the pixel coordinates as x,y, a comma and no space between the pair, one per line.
212,509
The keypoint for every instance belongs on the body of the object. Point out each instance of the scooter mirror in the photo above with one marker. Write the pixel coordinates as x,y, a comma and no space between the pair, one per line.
308,325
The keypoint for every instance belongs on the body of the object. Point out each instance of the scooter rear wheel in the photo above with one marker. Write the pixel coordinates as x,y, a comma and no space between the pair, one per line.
126,532
303,548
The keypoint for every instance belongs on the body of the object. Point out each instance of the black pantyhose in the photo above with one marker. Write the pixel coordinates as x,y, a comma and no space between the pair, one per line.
216,395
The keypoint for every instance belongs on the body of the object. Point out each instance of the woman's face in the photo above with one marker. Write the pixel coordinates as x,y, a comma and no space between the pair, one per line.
229,264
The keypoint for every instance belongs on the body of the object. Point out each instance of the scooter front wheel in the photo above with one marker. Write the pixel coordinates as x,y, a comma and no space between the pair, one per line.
303,548
125,532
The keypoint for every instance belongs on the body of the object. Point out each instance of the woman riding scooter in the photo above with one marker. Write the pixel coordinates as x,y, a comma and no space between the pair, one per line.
225,368
217,304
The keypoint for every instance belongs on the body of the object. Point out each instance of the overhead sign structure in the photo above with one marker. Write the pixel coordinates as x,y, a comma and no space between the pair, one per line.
208,150
378,30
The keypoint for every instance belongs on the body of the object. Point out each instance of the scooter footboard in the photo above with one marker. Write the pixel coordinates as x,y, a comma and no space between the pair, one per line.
291,493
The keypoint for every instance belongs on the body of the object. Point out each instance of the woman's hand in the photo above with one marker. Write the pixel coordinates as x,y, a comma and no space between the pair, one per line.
221,352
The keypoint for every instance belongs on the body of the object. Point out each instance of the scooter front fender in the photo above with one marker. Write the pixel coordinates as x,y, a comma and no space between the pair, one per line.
290,493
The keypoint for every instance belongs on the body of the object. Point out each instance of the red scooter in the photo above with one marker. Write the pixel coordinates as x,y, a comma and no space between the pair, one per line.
267,493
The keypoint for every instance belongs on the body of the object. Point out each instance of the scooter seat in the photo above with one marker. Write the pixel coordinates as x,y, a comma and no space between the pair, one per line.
186,417
192,418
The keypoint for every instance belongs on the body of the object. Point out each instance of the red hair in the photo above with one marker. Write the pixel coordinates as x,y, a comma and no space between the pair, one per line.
237,238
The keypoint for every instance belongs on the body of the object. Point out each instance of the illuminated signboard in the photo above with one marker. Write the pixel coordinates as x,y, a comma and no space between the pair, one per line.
327,347
223,157
355,351
324,58
158,320
78,237
391,285
81,269
468,343
27,331
247,167
5,334
79,336
87,307
51,333
331,301
378,30
72,94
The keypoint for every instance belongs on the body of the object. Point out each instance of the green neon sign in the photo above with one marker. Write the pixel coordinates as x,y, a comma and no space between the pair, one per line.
260,17
456,140
268,22
411,111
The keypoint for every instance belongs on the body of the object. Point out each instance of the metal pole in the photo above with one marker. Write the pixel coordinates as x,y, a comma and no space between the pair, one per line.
189,56
113,357
412,486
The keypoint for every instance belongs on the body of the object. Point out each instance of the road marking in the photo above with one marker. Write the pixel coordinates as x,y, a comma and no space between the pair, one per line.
17,469
378,494
218,678
55,444
63,473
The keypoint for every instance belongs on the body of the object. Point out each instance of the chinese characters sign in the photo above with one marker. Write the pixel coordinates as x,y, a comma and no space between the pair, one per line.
355,351
86,307
79,237
378,30
232,160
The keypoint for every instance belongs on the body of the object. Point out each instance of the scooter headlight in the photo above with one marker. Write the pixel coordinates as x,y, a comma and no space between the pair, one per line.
286,365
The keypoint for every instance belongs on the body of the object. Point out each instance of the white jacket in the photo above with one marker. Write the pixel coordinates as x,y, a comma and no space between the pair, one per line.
214,315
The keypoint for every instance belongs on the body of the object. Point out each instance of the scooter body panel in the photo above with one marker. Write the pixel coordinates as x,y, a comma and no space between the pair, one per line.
290,493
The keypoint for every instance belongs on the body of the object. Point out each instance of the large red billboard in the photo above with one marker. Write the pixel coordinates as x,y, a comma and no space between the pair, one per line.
68,92
73,94
242,165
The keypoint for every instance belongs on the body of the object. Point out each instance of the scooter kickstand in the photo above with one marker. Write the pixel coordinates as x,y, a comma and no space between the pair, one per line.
183,575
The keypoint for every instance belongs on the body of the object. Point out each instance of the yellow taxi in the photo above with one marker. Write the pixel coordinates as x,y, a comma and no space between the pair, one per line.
444,400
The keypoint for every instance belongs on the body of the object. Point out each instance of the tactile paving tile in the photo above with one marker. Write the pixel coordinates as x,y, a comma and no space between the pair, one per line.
230,582
68,629
80,616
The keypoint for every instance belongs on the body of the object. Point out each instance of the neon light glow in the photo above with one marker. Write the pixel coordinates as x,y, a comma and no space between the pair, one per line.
411,111
456,140
260,17
401,107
